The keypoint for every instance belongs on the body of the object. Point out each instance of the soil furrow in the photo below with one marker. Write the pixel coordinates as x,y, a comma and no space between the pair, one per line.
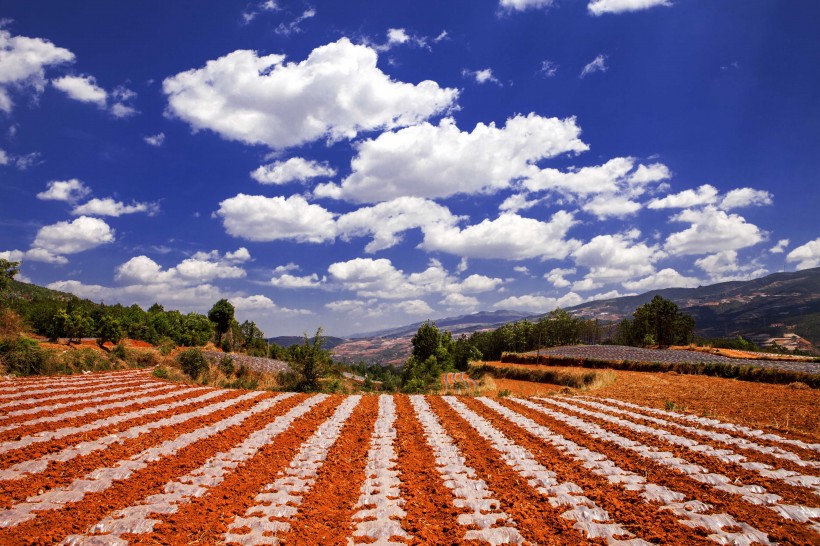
654,466
379,508
25,447
88,500
76,461
431,513
806,450
326,512
66,397
772,456
535,518
205,519
40,382
278,502
721,461
621,499
485,519
46,422
45,387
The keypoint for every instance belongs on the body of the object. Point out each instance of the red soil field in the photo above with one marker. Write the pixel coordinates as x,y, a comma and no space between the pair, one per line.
183,464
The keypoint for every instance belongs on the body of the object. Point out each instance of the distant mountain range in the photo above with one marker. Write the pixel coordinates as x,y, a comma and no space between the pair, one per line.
773,305
328,342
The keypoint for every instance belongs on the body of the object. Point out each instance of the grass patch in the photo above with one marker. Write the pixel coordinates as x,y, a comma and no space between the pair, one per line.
567,378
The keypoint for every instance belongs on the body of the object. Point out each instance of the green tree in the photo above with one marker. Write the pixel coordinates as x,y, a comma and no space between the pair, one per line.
657,322
310,362
431,356
8,270
109,329
221,314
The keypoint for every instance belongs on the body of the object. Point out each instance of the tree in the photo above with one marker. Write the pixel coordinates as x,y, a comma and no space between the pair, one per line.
109,329
310,361
432,355
658,322
221,314
8,270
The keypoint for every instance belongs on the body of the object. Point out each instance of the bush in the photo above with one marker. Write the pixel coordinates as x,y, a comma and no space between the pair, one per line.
119,351
161,373
192,362
166,346
23,356
226,366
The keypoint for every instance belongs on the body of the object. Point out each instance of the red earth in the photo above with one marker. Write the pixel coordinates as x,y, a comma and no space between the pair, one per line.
121,457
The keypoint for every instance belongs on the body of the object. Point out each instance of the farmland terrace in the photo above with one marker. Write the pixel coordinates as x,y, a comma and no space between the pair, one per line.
119,458
616,353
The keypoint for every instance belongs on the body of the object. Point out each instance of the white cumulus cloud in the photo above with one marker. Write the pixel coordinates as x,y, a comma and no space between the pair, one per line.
806,256
508,237
437,161
294,169
64,190
538,304
598,64
82,88
780,247
110,207
259,218
83,233
263,100
521,5
665,278
745,197
704,195
599,7
386,222
614,258
712,230
23,61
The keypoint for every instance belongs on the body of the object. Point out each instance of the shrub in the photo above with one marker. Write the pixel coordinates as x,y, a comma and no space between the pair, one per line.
226,366
119,351
160,373
192,362
23,356
166,346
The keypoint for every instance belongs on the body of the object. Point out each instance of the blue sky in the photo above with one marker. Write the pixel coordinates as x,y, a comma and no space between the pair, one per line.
358,165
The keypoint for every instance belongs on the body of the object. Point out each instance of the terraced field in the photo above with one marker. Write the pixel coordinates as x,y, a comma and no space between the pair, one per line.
122,458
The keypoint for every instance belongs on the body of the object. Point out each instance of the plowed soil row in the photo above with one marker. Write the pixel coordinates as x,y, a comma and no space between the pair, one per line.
541,490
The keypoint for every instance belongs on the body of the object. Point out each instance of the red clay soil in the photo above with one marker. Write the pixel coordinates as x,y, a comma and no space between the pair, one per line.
746,452
52,526
536,520
790,494
324,516
762,518
205,520
431,517
626,507
172,396
781,409
525,388
58,474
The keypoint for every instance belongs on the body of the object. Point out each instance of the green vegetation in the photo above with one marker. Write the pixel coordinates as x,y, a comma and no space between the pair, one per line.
432,355
221,315
658,322
567,378
310,362
8,270
192,362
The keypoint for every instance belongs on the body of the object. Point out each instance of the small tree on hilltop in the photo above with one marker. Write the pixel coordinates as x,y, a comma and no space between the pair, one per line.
8,270
221,314
310,361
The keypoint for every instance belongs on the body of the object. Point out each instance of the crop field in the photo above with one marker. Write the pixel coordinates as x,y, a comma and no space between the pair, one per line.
121,458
